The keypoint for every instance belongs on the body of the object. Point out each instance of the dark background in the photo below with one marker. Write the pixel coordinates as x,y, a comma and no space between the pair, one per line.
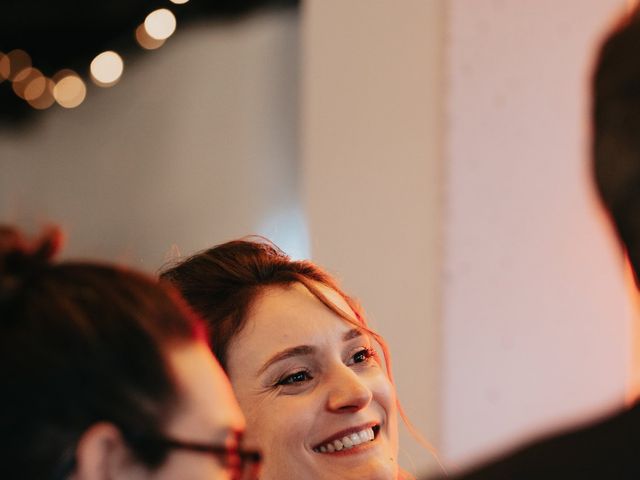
70,33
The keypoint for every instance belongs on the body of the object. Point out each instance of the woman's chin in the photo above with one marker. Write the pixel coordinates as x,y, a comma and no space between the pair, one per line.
368,462
373,462
374,470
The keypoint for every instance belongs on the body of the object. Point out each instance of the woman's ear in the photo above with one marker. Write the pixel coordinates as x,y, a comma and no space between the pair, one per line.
102,454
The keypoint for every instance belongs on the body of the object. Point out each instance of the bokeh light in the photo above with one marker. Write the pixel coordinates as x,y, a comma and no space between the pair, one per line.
60,74
160,24
34,88
69,91
4,67
18,61
106,69
66,87
24,78
145,41
45,99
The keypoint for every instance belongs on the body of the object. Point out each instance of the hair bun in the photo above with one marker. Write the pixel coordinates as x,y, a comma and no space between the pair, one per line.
21,258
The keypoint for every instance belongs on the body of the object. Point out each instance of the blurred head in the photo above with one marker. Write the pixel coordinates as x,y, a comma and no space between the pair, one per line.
301,360
616,131
105,374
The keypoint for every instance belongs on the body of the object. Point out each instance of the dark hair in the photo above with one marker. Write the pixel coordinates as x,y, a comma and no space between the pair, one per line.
221,284
616,131
80,343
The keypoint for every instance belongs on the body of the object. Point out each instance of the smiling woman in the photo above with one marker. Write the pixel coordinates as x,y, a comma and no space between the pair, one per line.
312,382
318,399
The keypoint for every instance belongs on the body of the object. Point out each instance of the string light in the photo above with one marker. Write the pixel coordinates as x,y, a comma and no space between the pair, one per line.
145,41
24,78
5,67
106,69
66,87
70,91
18,61
160,24
34,88
45,100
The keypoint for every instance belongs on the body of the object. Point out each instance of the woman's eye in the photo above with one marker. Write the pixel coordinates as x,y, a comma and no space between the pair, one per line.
363,355
294,378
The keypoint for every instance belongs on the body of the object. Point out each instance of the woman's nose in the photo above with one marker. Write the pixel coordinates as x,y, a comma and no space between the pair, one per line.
347,391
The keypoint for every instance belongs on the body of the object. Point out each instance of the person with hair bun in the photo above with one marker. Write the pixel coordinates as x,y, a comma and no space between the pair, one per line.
319,401
107,374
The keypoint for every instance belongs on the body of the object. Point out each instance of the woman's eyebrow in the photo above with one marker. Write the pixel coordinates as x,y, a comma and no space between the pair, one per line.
353,333
287,353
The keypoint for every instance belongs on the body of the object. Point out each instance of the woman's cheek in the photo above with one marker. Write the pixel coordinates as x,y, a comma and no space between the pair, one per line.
296,417
381,387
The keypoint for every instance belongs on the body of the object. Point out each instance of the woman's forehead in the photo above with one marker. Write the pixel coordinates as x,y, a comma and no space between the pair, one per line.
295,305
283,317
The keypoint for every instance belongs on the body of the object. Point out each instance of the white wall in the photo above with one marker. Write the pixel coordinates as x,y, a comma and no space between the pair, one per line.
371,139
445,171
535,319
197,144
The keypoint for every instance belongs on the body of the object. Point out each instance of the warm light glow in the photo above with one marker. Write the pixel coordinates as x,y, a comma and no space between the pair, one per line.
4,67
106,69
45,99
145,41
35,88
21,75
18,61
60,74
24,79
160,24
66,87
70,91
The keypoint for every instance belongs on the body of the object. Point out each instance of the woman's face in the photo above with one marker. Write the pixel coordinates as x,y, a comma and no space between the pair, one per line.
317,401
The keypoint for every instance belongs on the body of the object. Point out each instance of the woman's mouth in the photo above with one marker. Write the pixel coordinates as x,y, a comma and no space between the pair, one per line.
348,441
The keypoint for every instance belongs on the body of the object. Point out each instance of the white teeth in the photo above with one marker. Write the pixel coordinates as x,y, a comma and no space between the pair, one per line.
347,442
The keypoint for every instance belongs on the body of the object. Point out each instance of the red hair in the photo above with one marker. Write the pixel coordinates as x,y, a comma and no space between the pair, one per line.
221,284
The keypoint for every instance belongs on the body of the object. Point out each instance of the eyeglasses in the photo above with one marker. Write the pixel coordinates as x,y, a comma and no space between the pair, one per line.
241,463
